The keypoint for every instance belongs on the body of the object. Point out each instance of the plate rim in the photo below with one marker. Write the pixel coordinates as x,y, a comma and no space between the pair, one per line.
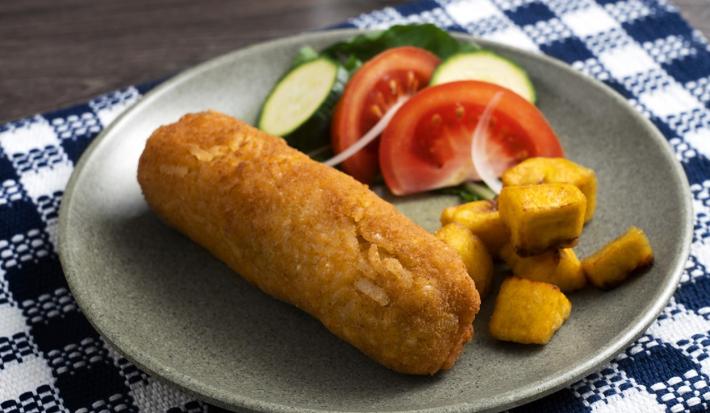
530,392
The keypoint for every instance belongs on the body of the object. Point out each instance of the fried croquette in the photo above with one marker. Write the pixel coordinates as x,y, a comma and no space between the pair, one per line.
312,236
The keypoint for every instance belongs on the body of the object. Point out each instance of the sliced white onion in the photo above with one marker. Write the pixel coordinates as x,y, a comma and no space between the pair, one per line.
318,151
479,147
373,133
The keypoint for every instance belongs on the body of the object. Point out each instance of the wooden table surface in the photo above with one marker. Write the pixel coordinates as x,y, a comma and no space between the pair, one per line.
54,54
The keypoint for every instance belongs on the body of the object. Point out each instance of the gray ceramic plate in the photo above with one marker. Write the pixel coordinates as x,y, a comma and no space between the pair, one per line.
183,316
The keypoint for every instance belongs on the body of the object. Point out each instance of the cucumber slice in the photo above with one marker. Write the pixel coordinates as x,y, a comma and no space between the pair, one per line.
486,66
299,107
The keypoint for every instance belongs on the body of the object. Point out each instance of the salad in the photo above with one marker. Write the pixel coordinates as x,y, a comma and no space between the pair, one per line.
414,106
425,112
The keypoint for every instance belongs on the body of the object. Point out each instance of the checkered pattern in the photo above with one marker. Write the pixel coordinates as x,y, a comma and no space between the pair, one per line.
51,360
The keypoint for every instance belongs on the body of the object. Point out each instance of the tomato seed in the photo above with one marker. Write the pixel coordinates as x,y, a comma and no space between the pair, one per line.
459,111
380,98
393,87
412,82
415,86
376,111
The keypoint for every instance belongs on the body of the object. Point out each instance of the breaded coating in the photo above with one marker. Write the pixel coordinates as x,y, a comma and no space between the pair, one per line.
314,237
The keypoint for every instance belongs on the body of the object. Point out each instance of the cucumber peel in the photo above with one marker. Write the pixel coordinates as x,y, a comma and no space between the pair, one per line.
300,105
486,66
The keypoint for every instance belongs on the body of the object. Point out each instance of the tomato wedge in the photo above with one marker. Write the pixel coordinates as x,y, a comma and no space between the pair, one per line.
373,89
427,145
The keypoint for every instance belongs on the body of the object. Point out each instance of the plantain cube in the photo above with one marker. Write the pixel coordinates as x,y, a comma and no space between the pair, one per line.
560,267
473,252
555,170
620,258
482,219
528,312
543,217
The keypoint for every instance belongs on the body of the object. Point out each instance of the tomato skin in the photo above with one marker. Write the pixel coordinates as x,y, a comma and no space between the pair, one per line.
379,82
427,144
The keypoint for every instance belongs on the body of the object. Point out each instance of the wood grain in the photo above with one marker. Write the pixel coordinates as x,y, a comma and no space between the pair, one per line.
53,54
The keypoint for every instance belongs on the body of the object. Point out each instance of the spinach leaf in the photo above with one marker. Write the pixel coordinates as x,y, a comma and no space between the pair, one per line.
469,192
352,53
305,55
426,36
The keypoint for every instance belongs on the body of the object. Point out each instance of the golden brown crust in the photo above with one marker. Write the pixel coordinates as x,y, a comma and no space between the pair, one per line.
312,236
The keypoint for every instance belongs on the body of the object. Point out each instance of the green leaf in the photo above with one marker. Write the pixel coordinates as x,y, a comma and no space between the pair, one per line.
469,192
464,195
426,36
352,53
305,54
352,63
481,190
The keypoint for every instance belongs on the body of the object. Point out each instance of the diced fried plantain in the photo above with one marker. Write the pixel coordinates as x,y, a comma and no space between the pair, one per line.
528,311
559,267
555,170
612,264
542,217
481,218
473,252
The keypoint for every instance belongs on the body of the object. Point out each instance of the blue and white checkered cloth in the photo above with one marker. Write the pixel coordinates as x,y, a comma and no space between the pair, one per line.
51,360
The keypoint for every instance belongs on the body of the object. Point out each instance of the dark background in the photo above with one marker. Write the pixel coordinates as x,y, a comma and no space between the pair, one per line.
55,53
